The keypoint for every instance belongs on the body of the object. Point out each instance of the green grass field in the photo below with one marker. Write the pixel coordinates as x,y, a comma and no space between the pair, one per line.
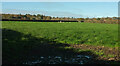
28,41
69,33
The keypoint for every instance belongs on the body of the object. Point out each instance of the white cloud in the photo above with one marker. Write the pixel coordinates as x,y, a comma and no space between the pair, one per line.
18,11
47,13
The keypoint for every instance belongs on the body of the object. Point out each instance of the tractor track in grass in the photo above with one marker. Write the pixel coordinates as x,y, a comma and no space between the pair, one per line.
106,53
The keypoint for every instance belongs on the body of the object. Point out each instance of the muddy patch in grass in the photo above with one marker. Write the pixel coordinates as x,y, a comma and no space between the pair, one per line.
105,53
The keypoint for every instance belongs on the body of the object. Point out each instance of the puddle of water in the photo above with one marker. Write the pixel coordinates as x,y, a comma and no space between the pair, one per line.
41,57
87,57
78,59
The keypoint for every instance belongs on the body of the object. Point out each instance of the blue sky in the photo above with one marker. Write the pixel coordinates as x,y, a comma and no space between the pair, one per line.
60,0
63,9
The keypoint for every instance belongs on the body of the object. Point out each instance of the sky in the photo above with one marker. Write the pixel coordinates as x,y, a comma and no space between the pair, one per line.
60,0
63,9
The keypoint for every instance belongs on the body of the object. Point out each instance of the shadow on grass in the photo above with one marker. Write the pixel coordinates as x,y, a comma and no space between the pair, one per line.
19,48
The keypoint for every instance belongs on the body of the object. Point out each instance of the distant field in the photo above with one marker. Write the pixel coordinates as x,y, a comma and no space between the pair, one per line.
69,33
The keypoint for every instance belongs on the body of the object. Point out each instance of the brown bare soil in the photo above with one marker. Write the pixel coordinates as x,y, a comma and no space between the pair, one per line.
107,51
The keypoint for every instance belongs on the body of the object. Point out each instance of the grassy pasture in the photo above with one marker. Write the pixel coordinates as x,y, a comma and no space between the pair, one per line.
24,40
69,33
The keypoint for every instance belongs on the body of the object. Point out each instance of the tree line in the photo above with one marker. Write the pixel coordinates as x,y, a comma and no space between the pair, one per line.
109,20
